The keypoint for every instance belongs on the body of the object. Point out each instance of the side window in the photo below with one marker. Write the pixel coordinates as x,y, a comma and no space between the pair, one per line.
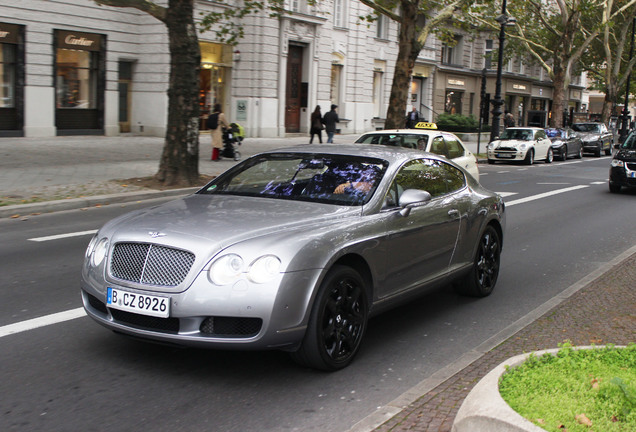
438,146
424,174
540,135
455,179
455,149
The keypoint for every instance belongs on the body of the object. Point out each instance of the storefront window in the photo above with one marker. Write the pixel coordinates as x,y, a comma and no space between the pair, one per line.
453,103
336,73
7,76
76,80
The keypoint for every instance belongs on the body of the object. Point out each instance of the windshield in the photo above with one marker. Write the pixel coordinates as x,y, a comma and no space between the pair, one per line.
555,133
408,140
586,127
331,179
630,142
516,134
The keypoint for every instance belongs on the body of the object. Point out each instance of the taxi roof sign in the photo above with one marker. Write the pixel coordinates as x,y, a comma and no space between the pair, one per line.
425,125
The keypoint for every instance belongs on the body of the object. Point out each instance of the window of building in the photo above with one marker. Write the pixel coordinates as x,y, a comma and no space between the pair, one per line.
378,77
451,53
336,76
488,59
453,103
339,13
382,27
76,79
7,75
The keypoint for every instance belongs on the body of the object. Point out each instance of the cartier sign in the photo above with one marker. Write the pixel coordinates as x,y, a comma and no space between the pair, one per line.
78,40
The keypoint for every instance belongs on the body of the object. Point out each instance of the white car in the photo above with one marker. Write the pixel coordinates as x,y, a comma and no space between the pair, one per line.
426,137
525,144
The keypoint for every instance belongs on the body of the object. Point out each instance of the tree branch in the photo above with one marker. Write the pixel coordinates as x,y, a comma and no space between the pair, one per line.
147,6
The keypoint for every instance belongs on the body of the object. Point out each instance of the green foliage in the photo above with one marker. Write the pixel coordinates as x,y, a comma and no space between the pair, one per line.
457,123
573,387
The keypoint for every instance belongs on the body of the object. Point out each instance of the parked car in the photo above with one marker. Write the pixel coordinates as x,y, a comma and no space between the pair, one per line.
426,137
623,168
595,136
565,143
525,144
295,250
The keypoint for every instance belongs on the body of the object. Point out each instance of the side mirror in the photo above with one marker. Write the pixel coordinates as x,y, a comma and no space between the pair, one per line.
412,198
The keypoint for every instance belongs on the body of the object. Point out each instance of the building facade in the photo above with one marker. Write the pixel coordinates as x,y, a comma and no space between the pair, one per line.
73,67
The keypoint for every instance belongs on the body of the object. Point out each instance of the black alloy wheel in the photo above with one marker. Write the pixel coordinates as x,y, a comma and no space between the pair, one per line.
529,159
337,323
564,153
580,153
482,278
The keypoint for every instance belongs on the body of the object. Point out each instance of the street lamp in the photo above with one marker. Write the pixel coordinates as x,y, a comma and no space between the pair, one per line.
504,20
625,114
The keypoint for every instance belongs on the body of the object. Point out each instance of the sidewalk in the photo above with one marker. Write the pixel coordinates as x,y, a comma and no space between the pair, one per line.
601,309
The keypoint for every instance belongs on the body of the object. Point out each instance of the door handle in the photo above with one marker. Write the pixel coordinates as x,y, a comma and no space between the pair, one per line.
453,213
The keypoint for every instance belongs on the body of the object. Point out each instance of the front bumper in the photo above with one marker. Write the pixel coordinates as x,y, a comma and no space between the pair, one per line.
241,316
623,176
507,154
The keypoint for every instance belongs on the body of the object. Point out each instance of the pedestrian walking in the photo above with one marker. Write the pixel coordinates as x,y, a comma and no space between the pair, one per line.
330,119
316,125
216,122
412,118
509,120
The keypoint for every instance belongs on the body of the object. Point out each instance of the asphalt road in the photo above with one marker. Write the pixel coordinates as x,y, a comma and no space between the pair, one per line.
74,375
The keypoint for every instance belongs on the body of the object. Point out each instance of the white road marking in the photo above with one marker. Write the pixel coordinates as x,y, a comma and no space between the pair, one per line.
505,194
61,236
598,183
41,321
545,195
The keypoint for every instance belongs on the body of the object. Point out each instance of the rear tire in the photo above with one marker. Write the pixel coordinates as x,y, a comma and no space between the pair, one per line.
481,279
549,157
337,323
564,153
580,153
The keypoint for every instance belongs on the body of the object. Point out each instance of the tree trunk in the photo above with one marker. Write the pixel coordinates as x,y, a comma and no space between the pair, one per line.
409,49
558,98
180,159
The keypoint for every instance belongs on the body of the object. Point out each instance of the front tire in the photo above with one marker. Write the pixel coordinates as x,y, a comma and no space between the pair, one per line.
481,279
529,159
580,153
337,322
614,188
564,153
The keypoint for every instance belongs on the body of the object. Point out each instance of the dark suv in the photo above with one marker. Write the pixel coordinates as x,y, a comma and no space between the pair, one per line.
623,169
596,137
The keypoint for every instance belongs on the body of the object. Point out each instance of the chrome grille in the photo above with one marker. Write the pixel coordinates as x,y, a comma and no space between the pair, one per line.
150,264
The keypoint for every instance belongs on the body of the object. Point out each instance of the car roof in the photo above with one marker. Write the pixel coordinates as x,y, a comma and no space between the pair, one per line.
408,131
388,153
525,128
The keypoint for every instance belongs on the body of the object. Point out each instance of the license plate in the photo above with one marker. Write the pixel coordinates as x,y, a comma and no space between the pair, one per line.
632,174
505,155
138,303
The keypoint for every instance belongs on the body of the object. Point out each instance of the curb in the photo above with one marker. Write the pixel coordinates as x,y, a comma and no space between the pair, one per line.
18,210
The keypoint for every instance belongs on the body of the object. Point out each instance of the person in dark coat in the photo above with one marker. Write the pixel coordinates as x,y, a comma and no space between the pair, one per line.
509,120
412,118
316,125
330,119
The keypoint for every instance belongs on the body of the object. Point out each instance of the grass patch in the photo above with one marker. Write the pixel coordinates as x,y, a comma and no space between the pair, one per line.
575,390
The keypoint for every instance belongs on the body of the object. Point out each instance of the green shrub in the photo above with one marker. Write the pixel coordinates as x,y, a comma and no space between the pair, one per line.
458,123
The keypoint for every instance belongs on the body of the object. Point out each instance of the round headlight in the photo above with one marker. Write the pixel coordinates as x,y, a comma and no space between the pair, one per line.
226,269
101,249
264,269
522,146
91,246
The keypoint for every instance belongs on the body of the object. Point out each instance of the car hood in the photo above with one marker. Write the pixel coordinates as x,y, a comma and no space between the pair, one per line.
557,141
626,155
511,143
209,223
587,136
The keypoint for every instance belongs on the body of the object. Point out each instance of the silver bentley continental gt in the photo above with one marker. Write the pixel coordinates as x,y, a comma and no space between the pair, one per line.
294,250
